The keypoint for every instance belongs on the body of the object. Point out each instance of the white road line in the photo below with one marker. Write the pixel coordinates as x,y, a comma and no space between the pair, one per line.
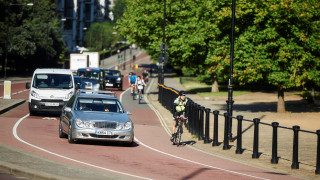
177,157
64,157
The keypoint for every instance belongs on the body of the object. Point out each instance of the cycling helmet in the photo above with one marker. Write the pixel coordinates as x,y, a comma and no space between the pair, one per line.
181,93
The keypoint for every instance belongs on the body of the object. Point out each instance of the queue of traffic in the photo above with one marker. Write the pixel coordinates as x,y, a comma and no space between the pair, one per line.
88,111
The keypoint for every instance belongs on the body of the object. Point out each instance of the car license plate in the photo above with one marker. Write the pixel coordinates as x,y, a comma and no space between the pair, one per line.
104,132
109,84
51,104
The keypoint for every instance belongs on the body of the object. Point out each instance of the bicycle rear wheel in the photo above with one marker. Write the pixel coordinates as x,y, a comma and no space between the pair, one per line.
140,96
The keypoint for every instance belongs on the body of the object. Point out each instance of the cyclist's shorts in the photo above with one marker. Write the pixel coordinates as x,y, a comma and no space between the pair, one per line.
178,114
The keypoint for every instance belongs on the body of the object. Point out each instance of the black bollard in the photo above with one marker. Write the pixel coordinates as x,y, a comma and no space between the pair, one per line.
295,154
318,154
197,120
239,135
255,153
201,120
193,118
226,133
207,126
215,141
275,158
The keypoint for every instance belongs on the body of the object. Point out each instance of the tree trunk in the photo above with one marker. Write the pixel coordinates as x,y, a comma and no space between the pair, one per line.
215,85
281,108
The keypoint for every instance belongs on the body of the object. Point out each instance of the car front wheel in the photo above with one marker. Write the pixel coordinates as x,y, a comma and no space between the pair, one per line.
70,138
61,133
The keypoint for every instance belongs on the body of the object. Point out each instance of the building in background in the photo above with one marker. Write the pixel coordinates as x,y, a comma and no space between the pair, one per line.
78,16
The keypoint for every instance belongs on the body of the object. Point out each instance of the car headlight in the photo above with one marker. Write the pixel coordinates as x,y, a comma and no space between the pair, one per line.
119,126
89,124
34,94
79,123
68,96
96,87
118,79
128,125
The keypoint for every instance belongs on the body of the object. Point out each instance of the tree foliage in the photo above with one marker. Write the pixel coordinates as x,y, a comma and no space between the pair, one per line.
118,9
100,36
276,42
32,34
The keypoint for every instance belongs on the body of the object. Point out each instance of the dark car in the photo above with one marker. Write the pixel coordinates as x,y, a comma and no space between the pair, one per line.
113,78
78,82
92,78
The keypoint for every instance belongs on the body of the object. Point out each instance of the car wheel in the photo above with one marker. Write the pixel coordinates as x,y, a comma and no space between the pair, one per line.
70,138
61,133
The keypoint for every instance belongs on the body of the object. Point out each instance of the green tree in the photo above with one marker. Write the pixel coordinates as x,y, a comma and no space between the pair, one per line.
276,42
118,9
100,36
33,34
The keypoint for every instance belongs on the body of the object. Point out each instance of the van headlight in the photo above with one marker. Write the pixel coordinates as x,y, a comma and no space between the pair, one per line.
68,96
79,123
34,94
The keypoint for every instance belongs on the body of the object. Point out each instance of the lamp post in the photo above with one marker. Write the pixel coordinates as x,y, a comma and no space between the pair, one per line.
163,47
230,90
6,44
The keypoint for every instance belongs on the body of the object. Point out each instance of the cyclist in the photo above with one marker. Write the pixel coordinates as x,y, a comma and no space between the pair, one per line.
140,84
132,80
145,76
180,108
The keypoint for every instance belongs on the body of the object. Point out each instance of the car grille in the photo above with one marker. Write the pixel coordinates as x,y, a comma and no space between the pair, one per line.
105,124
104,136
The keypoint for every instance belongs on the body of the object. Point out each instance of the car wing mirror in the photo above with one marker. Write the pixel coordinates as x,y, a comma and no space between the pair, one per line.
78,86
129,112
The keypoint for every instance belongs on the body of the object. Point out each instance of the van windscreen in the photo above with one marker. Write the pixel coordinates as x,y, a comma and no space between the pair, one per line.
60,81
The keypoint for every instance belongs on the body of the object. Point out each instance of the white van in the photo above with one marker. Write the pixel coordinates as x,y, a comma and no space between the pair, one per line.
50,90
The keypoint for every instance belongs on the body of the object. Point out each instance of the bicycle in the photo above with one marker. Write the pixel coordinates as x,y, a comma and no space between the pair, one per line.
134,92
179,131
140,88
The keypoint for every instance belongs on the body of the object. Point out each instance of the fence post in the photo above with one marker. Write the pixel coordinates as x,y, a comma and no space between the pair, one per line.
197,120
159,93
226,133
215,129
207,126
255,153
295,154
239,135
318,154
193,107
275,158
201,120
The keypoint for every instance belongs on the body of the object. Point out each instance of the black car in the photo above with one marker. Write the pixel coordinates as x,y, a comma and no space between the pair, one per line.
113,78
92,78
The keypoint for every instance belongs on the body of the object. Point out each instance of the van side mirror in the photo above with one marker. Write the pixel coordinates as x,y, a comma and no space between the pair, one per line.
27,85
67,109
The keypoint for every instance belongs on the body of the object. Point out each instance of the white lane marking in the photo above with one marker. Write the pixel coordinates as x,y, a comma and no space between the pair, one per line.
15,134
17,92
198,163
177,157
50,118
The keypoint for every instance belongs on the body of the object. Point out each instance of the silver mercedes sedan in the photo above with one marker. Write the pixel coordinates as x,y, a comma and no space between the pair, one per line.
95,115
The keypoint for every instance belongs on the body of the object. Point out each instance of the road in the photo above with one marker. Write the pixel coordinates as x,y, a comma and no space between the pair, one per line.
151,157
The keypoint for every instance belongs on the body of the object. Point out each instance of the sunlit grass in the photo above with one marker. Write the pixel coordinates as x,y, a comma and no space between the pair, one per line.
204,90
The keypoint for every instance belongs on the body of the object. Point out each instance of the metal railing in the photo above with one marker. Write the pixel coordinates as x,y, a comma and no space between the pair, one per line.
199,125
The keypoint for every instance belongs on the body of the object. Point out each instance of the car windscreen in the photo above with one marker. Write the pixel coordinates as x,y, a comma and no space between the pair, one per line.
60,81
98,104
112,73
89,74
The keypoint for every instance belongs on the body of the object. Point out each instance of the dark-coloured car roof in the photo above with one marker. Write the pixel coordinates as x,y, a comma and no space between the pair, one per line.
91,68
111,70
